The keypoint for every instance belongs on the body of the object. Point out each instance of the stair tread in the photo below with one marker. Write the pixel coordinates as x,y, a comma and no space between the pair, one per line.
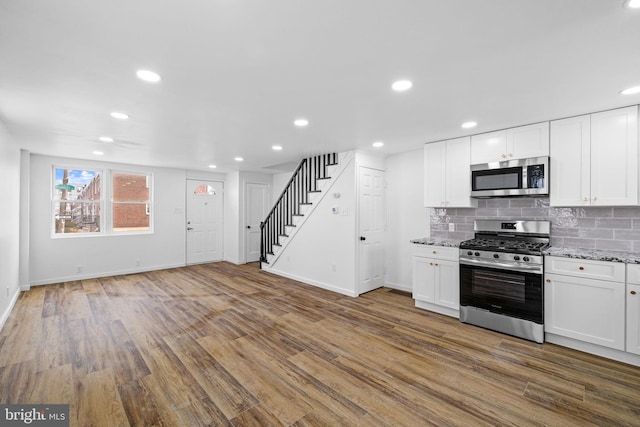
326,177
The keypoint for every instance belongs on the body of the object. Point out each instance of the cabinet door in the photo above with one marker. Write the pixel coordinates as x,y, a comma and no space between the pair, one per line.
423,279
633,319
434,174
447,284
458,174
489,147
528,141
570,175
585,309
614,157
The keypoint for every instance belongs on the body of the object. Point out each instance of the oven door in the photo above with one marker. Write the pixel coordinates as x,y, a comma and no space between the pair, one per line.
507,292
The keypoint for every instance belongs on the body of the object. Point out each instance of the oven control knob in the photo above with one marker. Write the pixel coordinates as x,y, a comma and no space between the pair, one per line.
477,254
496,256
526,258
516,258
469,253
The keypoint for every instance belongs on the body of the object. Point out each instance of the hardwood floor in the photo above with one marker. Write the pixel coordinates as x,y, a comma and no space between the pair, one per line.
220,344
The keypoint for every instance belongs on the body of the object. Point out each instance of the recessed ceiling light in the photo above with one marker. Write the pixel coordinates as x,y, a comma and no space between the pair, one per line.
106,139
469,125
148,76
378,144
630,90
98,153
276,147
301,122
633,4
238,159
121,116
212,166
401,85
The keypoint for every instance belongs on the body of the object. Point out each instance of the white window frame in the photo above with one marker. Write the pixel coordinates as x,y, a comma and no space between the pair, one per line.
105,203
149,202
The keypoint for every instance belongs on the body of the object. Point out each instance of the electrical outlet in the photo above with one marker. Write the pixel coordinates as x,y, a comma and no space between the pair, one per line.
79,269
137,263
452,226
333,267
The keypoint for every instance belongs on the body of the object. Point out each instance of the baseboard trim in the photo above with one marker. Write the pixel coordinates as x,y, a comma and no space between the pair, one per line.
398,286
609,353
311,282
7,312
102,274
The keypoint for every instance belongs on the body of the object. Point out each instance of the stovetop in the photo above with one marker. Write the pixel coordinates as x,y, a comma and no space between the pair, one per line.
518,246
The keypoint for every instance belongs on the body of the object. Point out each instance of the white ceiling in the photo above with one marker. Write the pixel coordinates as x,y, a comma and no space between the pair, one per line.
236,73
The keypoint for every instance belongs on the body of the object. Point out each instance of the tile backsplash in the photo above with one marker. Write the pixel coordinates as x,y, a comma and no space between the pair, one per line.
606,228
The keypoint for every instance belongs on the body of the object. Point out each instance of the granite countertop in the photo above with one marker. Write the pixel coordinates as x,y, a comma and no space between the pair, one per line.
594,254
436,242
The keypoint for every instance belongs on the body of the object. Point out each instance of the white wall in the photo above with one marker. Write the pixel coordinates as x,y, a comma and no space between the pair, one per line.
10,224
54,260
407,218
323,251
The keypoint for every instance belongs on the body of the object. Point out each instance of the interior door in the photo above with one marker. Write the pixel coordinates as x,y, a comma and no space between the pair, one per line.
256,209
204,221
371,225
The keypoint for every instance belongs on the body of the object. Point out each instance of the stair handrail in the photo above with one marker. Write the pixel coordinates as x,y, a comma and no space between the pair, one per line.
286,187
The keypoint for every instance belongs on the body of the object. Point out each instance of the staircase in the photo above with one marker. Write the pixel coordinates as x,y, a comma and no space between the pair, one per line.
303,189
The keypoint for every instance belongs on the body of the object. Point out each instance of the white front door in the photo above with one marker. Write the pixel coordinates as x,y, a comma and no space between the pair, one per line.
204,221
256,209
371,226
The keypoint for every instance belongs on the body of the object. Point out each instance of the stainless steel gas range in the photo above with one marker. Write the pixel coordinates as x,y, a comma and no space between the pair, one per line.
501,277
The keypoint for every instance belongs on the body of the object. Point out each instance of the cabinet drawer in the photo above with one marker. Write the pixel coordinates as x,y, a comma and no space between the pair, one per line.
440,252
603,270
633,274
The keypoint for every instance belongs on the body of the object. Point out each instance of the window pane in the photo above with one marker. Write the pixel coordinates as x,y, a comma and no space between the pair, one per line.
131,217
76,184
130,188
204,190
76,217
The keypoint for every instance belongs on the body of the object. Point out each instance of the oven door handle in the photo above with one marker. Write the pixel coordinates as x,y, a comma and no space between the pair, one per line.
502,266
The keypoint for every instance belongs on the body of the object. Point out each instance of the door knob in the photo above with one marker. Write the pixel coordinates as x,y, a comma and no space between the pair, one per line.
189,228
248,226
363,238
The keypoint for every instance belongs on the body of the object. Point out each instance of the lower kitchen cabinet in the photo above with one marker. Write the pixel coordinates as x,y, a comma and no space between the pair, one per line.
582,308
436,279
633,308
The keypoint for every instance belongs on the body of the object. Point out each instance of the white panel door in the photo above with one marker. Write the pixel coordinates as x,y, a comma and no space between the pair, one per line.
633,319
614,157
371,224
528,141
434,174
570,163
204,221
585,309
256,209
458,174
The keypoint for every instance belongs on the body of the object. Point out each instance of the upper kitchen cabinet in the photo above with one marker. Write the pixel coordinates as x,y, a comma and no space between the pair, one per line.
447,174
594,159
515,143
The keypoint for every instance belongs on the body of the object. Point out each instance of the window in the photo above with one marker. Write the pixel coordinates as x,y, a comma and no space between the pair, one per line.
76,201
130,202
80,205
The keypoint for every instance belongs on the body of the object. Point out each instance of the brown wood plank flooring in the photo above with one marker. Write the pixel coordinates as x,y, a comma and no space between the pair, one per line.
220,344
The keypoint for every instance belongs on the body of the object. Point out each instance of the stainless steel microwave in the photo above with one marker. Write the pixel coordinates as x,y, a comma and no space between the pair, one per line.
521,177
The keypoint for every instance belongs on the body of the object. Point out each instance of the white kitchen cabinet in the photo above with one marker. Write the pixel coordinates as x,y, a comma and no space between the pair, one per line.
633,308
516,143
580,307
436,279
594,159
447,176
